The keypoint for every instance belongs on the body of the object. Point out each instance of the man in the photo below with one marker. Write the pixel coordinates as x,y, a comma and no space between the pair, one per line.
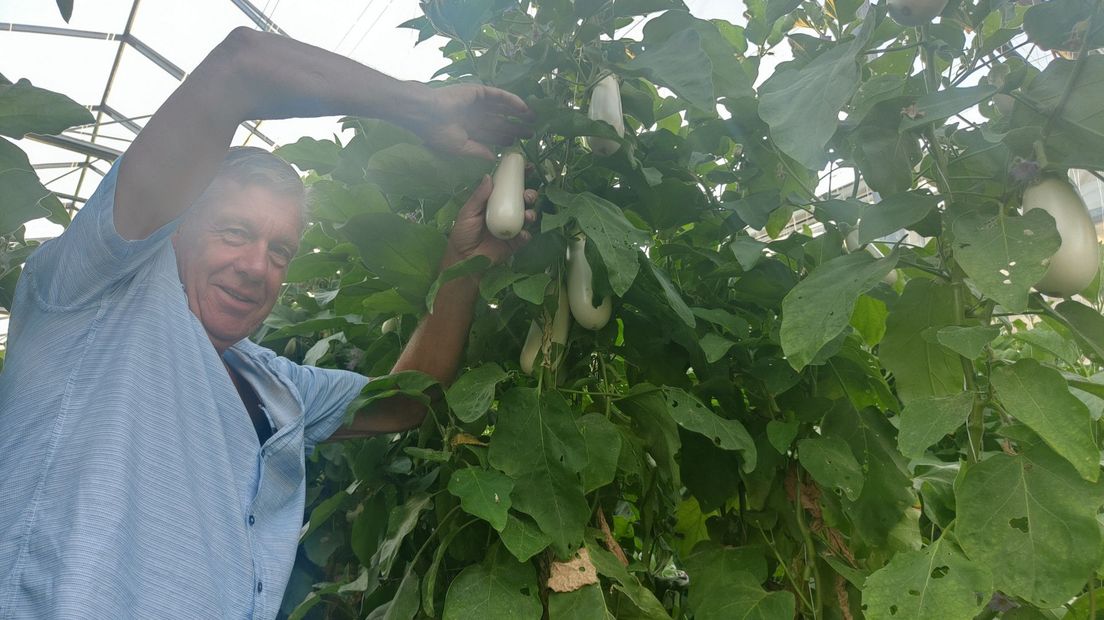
151,458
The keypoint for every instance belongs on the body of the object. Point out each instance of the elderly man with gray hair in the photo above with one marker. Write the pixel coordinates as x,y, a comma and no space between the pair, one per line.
151,456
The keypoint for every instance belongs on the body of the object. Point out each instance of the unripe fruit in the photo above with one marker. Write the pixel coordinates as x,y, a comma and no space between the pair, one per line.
530,348
605,105
506,206
1077,260
390,325
561,324
580,289
915,12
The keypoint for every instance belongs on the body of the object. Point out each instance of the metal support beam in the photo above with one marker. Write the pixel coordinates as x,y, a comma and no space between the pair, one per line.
88,149
118,117
258,17
64,32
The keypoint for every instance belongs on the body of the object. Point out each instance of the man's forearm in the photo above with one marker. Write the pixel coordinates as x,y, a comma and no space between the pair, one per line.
250,75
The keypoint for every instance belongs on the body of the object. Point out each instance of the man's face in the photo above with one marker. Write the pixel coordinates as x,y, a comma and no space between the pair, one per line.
232,256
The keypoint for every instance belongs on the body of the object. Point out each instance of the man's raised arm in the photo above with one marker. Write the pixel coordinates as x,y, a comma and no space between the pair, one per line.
255,76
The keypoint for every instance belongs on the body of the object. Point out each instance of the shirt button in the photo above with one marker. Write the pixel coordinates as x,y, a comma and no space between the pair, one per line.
260,587
252,520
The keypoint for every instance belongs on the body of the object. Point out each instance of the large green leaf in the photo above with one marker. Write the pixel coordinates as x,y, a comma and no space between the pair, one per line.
1076,138
399,524
28,109
414,171
886,490
1040,398
1005,255
586,603
310,154
927,419
603,446
483,493
832,464
499,587
940,104
1031,520
1062,24
679,63
934,583
724,584
617,240
1086,324
819,307
968,342
401,252
608,566
24,194
894,213
690,414
523,538
802,105
921,368
471,396
729,77
537,443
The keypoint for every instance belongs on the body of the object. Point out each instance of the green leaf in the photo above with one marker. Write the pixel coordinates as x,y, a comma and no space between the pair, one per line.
934,583
472,394
1040,398
941,104
1031,520
405,604
894,213
747,251
690,414
714,346
409,383
24,195
603,446
586,603
886,490
832,465
307,153
400,523
927,419
884,156
1086,324
608,566
1005,255
483,493
1076,138
1062,25
66,8
617,240
28,109
679,63
921,368
781,434
670,293
401,252
414,171
869,319
537,443
533,288
468,266
523,538
724,584
968,342
802,106
731,323
819,307
729,78
499,587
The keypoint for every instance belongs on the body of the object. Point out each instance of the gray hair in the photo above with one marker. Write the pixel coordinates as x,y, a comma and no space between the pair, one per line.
249,165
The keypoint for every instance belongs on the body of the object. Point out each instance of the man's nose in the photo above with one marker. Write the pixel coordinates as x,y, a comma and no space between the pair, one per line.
252,262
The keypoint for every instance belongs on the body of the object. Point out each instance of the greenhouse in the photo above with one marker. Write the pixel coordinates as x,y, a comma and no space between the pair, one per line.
524,309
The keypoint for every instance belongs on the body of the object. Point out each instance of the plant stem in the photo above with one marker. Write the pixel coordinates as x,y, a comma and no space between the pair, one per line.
798,590
811,570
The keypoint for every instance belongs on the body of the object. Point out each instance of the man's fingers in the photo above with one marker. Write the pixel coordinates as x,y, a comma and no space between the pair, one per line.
530,196
477,202
475,149
507,103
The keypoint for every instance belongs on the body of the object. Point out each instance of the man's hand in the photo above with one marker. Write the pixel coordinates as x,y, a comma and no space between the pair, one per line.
470,236
463,118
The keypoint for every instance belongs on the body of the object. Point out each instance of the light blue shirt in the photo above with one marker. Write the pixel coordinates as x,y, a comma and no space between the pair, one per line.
132,484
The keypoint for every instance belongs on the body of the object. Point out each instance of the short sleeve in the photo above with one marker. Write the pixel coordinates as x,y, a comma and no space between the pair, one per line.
90,257
326,394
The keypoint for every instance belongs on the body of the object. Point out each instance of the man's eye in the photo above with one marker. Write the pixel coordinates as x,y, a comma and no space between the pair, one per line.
234,233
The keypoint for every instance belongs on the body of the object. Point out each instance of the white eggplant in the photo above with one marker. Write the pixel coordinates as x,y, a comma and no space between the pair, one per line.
506,206
1077,260
605,105
535,340
530,348
580,289
851,243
